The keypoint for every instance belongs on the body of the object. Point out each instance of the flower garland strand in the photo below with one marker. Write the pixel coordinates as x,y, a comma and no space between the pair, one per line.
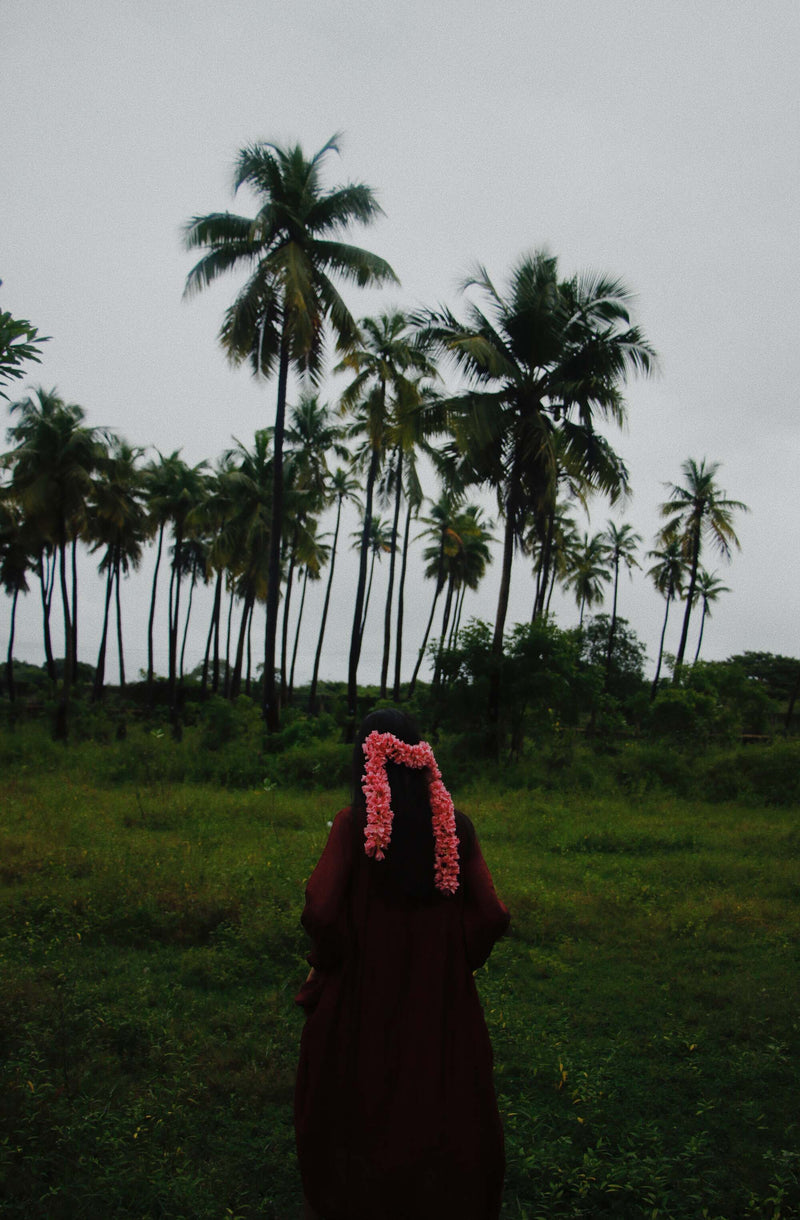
380,748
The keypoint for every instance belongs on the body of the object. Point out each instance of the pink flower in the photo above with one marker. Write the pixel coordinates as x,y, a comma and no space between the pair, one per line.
380,748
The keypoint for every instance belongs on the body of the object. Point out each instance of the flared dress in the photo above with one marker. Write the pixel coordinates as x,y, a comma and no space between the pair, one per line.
395,1110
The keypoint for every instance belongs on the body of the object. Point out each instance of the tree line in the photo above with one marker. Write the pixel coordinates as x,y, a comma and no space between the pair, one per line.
540,366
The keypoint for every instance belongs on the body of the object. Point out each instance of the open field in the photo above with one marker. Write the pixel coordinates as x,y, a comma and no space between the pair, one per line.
643,1009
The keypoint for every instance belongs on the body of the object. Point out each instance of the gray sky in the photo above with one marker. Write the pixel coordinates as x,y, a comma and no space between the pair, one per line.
657,142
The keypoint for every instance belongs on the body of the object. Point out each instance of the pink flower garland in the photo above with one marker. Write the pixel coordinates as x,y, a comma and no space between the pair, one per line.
380,748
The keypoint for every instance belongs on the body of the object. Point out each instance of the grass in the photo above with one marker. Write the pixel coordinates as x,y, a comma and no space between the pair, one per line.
643,1009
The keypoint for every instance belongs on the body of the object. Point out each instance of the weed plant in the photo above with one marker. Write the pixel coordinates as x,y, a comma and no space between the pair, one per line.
643,1009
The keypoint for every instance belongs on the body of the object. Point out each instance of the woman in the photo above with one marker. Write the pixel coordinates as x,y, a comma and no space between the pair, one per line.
395,1112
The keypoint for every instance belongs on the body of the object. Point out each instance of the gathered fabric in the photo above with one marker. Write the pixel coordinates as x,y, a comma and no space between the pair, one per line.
395,1111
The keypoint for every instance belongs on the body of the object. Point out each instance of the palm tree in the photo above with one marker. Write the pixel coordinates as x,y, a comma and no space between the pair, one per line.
542,362
51,479
387,362
342,487
698,511
15,564
175,490
445,544
465,565
589,572
289,250
707,589
667,575
620,542
18,345
119,526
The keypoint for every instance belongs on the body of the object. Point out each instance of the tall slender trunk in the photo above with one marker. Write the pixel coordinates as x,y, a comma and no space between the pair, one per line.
493,707
285,626
10,653
236,680
152,618
297,634
75,609
120,652
47,568
689,605
271,706
175,608
546,562
654,687
703,617
366,599
186,623
100,668
358,609
226,685
398,652
213,630
454,630
612,629
448,602
68,659
247,685
437,591
387,618
312,694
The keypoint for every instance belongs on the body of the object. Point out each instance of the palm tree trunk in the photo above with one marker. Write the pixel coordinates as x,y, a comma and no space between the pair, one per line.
151,620
100,668
285,627
175,614
247,685
226,685
387,618
312,694
448,602
366,599
297,634
400,603
493,708
120,652
75,609
47,568
702,625
188,616
211,630
613,628
10,652
546,561
654,687
236,682
437,591
270,700
451,643
358,610
689,605
62,548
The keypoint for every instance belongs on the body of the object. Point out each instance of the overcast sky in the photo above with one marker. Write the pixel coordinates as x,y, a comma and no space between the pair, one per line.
658,142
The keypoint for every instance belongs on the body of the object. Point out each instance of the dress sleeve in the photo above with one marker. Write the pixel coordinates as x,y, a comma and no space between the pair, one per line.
325,913
485,916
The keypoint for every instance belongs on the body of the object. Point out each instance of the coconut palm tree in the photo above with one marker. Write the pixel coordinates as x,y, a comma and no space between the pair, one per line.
175,491
445,544
589,572
620,542
465,565
16,561
119,528
543,362
387,363
707,589
667,574
290,251
52,467
698,511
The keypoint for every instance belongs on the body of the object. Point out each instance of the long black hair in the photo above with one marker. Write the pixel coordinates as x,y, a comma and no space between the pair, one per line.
408,867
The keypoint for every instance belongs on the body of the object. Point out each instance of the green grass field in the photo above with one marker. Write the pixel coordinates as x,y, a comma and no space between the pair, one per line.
643,1009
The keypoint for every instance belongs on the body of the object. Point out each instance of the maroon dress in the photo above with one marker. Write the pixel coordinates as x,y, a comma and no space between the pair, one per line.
395,1112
